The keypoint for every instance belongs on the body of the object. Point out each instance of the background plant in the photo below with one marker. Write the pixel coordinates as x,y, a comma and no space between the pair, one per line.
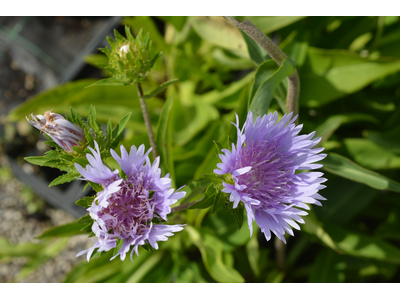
349,74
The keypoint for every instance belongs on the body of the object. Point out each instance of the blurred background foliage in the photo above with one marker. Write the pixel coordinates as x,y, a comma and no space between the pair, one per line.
349,69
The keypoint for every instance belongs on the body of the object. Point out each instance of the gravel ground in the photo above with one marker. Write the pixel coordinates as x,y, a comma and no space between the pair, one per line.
19,225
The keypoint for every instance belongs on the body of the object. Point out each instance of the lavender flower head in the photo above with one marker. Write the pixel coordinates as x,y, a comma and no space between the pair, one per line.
126,207
66,134
262,173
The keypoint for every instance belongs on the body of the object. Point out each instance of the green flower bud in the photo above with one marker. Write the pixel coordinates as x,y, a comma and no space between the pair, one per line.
129,58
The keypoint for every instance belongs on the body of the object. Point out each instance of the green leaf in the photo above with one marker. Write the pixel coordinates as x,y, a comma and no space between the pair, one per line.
332,74
93,122
107,82
149,264
262,99
22,249
96,59
219,201
211,252
177,22
227,36
253,254
370,155
238,214
214,178
119,130
194,189
154,59
234,63
341,206
109,131
97,187
85,219
256,52
388,140
312,226
85,201
163,138
264,71
219,146
342,166
271,24
360,245
63,230
63,179
327,268
51,144
37,160
118,247
204,113
208,199
326,129
87,228
82,161
160,88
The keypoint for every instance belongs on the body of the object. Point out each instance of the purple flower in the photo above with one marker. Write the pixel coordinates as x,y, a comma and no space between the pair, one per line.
126,207
66,134
262,173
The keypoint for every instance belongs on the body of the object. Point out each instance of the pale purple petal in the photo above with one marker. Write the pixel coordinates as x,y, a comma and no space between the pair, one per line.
264,171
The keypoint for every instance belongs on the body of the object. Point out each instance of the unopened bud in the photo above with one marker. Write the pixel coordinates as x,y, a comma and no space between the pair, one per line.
66,134
124,49
129,59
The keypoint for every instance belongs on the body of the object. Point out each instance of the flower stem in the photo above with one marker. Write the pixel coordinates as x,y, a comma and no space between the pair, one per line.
292,97
184,206
280,254
147,122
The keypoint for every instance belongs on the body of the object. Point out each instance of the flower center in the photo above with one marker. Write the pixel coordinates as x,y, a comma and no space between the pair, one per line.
269,179
129,210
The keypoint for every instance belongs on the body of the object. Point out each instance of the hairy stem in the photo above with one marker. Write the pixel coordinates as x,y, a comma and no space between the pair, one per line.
147,122
277,55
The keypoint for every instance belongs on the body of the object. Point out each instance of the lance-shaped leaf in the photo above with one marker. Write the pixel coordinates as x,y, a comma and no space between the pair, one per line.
342,166
119,130
160,88
63,230
63,179
211,249
164,139
108,81
262,98
257,53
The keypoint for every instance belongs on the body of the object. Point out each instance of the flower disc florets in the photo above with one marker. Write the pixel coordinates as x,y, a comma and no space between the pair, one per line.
263,166
66,134
125,209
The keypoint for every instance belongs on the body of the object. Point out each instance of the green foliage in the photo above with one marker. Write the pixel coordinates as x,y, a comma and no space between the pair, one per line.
63,230
265,85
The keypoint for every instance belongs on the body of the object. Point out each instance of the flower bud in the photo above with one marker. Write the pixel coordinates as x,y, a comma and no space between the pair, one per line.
129,58
66,134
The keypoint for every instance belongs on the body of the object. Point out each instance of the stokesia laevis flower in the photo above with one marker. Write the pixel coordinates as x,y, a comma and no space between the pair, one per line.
66,134
126,207
261,173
